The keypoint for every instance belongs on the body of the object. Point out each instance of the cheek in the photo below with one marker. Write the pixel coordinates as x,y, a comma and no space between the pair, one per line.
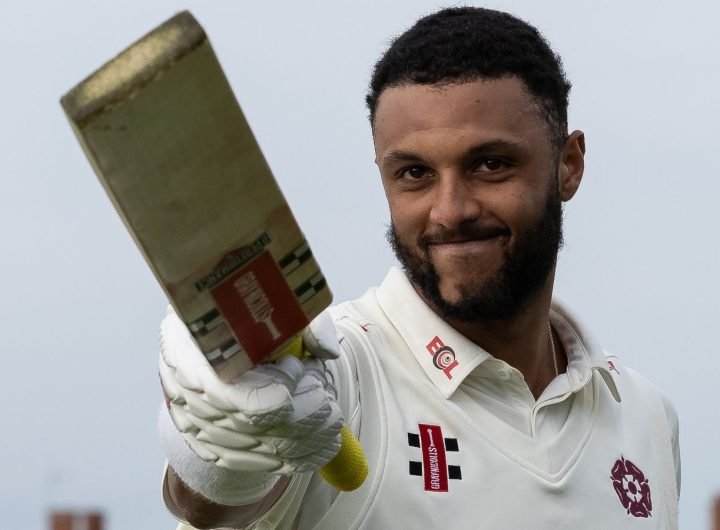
524,202
408,215
511,205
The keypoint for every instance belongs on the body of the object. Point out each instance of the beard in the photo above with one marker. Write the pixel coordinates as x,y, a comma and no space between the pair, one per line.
525,268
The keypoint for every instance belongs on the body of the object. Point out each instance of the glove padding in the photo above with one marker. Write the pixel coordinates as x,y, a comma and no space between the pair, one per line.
279,418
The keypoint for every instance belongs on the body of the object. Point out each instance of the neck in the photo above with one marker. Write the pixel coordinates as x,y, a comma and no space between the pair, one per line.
522,341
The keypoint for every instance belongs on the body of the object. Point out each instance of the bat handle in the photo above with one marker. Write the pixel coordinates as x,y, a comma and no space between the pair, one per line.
348,470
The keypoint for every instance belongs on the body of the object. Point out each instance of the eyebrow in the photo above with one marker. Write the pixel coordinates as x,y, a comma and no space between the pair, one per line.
474,151
400,156
493,146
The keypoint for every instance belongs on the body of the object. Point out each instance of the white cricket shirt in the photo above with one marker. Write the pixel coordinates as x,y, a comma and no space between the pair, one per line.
455,439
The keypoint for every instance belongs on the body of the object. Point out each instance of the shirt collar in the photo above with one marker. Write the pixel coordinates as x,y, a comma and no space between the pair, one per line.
584,353
447,357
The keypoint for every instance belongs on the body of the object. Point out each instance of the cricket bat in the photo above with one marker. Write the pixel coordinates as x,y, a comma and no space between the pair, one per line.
174,152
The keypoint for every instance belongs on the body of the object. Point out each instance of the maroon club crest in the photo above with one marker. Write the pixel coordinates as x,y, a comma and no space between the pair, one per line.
632,488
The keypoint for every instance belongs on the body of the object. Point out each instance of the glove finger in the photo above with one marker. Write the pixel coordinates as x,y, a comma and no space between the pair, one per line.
329,431
239,422
285,373
307,463
298,440
231,439
318,451
320,338
169,385
254,391
315,461
312,405
322,448
316,368
289,367
197,406
263,393
300,429
200,449
310,409
240,460
274,407
181,419
179,352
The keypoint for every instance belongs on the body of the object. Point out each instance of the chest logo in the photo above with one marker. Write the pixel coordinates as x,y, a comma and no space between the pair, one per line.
443,356
632,488
434,448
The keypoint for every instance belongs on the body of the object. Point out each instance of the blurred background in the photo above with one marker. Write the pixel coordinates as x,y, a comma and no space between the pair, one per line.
79,309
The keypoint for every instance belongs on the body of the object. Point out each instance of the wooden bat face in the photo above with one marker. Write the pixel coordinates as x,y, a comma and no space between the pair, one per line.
169,142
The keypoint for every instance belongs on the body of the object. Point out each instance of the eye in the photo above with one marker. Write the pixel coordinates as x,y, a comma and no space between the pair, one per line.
491,164
414,173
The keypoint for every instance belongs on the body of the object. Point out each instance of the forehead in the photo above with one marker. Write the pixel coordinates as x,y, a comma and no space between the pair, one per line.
485,109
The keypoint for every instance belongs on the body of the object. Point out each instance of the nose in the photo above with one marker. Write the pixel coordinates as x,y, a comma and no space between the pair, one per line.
454,202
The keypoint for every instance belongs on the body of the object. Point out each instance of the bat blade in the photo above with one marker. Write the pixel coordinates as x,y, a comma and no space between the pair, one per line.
172,148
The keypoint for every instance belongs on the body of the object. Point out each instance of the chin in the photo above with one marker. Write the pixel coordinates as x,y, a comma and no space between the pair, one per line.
451,296
454,290
458,281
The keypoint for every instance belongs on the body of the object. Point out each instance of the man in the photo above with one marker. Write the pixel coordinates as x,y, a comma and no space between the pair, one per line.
481,402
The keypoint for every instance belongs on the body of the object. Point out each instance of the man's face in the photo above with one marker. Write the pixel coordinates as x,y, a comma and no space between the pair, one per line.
471,178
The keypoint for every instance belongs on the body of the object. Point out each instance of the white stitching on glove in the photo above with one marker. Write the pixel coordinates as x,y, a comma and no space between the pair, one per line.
279,418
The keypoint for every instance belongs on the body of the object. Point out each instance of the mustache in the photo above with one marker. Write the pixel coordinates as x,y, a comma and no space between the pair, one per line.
464,232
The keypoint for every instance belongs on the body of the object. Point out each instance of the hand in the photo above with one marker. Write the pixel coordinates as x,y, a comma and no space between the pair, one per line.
279,418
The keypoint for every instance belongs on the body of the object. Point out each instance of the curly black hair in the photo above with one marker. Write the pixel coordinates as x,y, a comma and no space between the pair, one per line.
462,44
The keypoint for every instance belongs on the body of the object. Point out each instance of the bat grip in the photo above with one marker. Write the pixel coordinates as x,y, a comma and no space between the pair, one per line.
348,470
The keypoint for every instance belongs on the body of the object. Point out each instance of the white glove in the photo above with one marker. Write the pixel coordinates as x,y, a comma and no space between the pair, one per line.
278,419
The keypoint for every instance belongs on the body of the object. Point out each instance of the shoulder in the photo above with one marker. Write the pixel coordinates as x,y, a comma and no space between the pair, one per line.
633,385
365,333
358,309
354,320
379,305
629,377
362,316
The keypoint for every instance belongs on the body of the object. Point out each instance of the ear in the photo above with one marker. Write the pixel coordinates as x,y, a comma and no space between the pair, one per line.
572,165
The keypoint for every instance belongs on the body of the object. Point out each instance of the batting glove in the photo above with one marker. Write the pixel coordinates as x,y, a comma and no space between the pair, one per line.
275,419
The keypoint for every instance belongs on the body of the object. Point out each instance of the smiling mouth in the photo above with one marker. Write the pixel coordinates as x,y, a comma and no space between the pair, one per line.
464,234
468,247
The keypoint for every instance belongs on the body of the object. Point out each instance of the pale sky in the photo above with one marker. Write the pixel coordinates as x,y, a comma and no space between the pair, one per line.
79,311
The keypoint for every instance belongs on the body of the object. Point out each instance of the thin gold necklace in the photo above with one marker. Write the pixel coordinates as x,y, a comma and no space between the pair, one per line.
552,348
